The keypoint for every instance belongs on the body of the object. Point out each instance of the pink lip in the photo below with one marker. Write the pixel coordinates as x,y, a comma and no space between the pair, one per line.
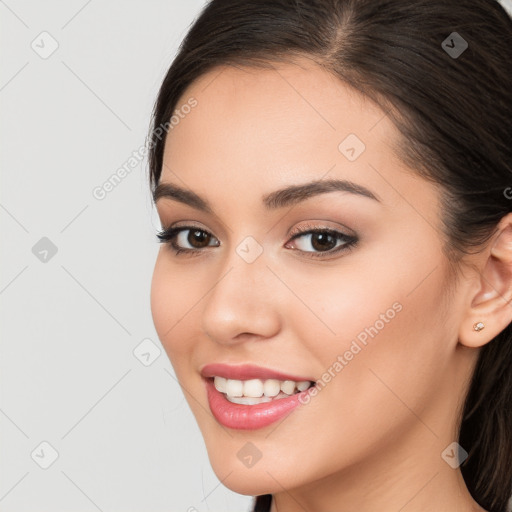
249,417
246,372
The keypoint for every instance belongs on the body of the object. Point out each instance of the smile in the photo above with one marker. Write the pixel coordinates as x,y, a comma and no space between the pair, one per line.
258,391
250,397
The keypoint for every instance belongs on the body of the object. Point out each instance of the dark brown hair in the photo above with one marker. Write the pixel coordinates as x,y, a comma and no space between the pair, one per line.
454,112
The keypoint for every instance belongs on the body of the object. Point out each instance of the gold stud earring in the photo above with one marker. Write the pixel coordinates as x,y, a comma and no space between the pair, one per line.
478,326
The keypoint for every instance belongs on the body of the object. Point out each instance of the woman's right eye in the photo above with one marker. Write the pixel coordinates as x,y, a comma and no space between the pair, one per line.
177,238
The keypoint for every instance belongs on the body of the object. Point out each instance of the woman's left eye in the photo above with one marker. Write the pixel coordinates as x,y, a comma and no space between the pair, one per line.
323,241
316,242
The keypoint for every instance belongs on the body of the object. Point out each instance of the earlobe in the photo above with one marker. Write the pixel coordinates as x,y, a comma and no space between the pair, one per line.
490,311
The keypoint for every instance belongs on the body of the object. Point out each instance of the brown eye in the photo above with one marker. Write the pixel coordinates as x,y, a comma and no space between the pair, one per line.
322,241
187,239
198,238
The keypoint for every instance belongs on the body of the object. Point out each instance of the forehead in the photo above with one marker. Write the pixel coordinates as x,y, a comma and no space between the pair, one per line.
278,106
255,130
290,114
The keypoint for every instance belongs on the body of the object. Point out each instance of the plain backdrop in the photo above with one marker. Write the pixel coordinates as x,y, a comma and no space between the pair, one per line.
91,417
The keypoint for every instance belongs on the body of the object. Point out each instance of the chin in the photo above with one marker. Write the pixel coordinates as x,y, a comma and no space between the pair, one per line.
264,477
249,482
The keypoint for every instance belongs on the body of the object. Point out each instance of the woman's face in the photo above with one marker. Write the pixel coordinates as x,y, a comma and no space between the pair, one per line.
368,322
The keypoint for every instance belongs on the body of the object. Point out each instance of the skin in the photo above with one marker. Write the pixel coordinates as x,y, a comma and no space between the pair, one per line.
372,438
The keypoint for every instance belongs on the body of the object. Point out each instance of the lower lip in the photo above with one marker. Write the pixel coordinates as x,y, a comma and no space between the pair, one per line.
249,417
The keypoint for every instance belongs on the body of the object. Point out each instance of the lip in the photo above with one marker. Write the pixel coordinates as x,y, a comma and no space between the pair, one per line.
249,417
246,372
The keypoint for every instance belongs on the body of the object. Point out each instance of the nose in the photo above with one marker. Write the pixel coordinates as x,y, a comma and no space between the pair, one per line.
242,304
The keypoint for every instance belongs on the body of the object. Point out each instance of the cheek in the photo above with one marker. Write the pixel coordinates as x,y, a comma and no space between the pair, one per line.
389,294
171,301
390,345
161,299
376,326
340,304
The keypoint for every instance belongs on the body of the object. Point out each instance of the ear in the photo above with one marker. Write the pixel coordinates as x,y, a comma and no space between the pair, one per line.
490,299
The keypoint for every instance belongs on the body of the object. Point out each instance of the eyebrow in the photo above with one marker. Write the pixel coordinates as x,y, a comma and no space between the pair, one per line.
287,196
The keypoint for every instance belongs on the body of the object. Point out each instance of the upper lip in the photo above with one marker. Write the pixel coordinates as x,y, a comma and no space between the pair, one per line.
246,372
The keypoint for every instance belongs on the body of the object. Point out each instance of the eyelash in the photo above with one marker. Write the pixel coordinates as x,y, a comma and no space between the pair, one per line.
168,237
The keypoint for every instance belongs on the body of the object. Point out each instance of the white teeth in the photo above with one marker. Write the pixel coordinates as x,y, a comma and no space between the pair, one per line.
234,387
256,390
303,385
271,387
288,387
220,384
253,388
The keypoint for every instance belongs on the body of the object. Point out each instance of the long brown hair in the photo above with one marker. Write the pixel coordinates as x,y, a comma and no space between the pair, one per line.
449,95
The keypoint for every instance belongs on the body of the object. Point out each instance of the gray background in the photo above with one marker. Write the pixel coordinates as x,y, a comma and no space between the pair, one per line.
73,371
